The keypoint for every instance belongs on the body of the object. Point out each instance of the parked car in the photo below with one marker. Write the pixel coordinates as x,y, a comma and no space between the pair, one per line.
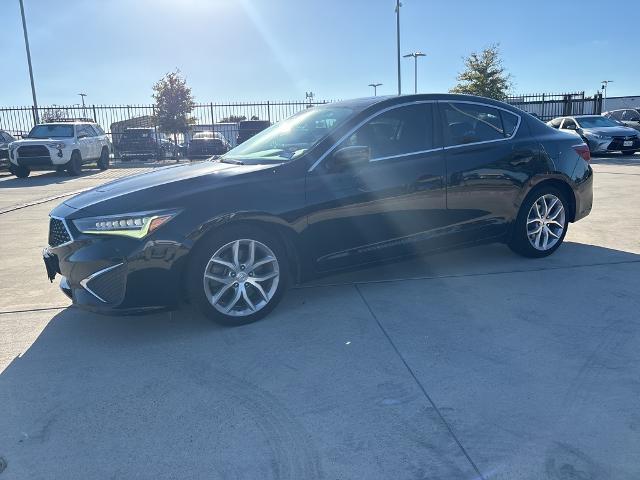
249,128
337,185
5,140
628,116
60,146
145,143
601,134
207,144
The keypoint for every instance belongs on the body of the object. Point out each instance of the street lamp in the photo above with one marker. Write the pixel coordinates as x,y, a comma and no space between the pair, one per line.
605,85
36,117
375,88
415,56
84,113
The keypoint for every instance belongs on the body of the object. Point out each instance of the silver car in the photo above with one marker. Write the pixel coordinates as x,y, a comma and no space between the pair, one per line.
601,134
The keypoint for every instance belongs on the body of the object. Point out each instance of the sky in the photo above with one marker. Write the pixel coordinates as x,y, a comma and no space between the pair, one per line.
248,50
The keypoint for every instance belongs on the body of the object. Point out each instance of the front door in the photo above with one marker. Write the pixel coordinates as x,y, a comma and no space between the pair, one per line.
388,206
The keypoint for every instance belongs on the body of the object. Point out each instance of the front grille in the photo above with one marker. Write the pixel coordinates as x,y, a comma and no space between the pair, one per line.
33,151
58,233
618,143
109,285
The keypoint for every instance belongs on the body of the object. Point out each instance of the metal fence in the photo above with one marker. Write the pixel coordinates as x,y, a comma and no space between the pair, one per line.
115,118
547,106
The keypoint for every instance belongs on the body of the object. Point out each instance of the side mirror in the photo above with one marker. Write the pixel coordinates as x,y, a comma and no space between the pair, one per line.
634,119
82,135
348,157
571,127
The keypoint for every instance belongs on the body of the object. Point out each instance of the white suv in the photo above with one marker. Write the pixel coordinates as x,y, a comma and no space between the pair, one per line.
60,146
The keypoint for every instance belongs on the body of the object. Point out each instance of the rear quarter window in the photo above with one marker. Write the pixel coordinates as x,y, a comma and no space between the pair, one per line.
466,123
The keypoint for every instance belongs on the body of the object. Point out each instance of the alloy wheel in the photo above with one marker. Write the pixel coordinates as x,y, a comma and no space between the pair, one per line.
546,222
241,277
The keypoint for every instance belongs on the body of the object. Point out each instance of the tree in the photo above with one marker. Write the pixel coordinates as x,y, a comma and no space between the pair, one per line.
484,75
53,114
173,104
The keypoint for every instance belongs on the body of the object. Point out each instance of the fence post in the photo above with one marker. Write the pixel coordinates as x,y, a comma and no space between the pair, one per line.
34,112
95,115
268,112
212,117
542,115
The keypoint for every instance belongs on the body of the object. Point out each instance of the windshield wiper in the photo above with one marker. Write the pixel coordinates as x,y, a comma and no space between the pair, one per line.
229,160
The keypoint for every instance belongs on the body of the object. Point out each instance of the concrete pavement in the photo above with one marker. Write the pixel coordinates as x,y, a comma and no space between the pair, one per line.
472,364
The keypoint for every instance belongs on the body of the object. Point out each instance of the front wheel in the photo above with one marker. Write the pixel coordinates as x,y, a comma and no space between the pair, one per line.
238,275
542,223
74,166
103,162
20,172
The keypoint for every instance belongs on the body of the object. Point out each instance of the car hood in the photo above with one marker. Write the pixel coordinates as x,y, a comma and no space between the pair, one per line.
160,188
612,131
40,141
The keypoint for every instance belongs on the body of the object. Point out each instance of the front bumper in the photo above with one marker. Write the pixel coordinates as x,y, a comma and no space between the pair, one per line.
614,144
109,274
55,158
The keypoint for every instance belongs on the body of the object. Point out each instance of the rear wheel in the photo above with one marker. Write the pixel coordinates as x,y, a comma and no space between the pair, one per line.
103,162
238,276
21,172
74,166
542,223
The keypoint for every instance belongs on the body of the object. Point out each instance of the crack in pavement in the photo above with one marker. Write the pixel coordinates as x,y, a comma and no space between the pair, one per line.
33,203
28,310
419,384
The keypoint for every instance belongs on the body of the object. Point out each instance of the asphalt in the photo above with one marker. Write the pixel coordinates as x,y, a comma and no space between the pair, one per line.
467,365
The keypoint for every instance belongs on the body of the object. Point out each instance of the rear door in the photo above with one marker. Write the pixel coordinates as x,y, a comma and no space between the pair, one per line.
390,206
85,142
489,158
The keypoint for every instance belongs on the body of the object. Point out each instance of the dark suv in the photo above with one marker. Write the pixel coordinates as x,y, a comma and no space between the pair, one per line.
629,116
145,143
5,140
249,128
334,186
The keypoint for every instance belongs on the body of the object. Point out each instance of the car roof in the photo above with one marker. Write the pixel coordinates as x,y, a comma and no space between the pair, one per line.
360,104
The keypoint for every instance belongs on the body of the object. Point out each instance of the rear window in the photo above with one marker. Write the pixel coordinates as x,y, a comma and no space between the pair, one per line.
51,131
204,135
471,123
137,133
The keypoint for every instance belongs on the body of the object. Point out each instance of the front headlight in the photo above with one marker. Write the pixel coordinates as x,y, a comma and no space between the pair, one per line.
599,137
134,225
58,145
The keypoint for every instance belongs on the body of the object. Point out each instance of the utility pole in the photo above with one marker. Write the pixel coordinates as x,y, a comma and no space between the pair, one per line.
375,88
84,113
605,85
415,56
398,5
36,117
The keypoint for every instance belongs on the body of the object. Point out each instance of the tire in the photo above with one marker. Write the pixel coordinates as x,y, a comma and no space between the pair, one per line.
523,239
103,162
628,153
60,169
74,166
235,287
21,172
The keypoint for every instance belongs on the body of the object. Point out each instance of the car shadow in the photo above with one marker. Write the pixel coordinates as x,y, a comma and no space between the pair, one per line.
142,386
36,179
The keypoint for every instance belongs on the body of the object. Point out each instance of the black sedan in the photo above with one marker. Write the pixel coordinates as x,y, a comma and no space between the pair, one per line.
207,144
601,134
334,186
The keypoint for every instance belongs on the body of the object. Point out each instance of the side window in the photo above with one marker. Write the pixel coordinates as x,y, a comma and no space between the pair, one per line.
98,129
399,131
617,115
92,131
509,122
569,124
471,123
630,115
80,131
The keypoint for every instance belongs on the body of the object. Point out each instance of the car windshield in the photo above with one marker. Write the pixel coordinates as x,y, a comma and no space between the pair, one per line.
596,122
290,138
51,131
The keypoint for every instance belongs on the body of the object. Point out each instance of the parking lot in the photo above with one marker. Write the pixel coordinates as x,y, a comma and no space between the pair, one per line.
471,364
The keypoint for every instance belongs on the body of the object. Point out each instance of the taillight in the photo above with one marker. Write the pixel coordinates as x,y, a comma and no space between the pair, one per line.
583,151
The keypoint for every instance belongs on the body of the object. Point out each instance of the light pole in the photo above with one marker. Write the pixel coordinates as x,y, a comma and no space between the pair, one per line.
605,85
375,88
36,117
84,113
398,5
415,56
